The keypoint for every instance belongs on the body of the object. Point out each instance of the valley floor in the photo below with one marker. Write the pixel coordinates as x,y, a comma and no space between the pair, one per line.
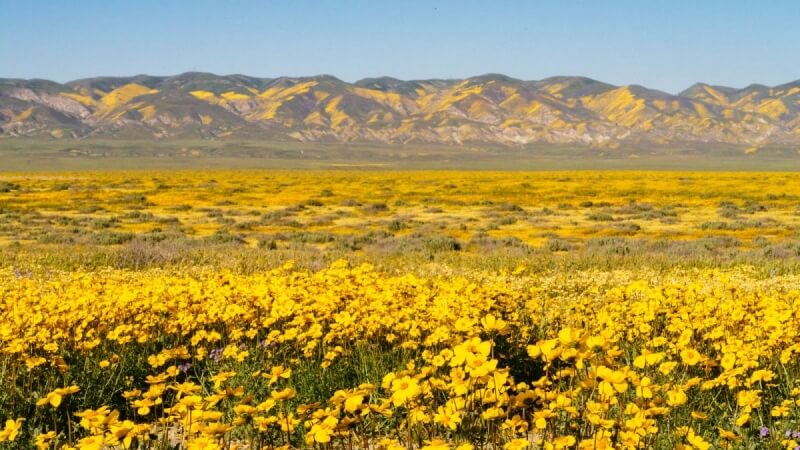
101,154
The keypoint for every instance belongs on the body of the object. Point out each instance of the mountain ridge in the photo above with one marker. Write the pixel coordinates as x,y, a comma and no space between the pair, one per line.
489,108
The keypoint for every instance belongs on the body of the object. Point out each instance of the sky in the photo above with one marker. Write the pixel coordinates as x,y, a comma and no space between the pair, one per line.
667,45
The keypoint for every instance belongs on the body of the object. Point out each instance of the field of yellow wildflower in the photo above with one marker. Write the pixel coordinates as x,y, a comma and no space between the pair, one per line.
392,310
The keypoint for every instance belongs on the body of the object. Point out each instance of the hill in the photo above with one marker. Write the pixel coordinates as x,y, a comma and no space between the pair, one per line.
488,109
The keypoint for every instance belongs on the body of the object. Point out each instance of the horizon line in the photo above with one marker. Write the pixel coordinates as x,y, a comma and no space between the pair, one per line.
487,74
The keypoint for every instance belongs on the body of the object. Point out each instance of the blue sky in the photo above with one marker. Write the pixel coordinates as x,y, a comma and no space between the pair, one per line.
661,44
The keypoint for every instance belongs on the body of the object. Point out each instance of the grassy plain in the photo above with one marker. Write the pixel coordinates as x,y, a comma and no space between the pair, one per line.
31,154
399,309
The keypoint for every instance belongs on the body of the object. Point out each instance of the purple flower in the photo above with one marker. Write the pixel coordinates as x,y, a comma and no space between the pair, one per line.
184,367
796,435
763,432
216,354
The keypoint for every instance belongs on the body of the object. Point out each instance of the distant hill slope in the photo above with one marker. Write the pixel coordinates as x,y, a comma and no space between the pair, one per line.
485,109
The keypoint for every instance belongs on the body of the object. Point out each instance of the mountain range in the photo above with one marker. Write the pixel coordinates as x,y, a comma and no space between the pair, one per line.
490,108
